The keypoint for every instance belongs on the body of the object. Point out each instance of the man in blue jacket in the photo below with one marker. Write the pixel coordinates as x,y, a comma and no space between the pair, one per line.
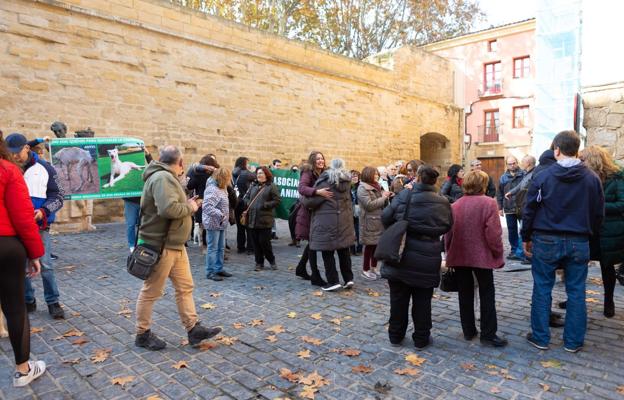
47,198
565,205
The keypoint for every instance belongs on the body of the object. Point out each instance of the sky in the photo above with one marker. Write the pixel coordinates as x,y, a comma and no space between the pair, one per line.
499,12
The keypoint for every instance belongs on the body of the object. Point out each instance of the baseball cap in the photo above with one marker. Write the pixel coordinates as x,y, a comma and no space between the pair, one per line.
15,142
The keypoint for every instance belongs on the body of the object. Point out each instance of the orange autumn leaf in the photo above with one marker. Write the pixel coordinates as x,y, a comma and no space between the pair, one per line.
72,361
153,397
100,355
316,316
238,325
70,333
311,340
292,314
350,352
289,375
256,322
276,329
546,387
180,365
208,306
304,354
406,371
122,381
468,366
494,390
415,360
271,338
226,340
620,389
318,293
35,330
314,380
335,321
215,294
203,346
363,369
308,392
372,293
79,341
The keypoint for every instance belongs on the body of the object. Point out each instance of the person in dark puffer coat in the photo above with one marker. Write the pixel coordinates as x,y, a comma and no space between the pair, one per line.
608,245
331,225
429,216
452,186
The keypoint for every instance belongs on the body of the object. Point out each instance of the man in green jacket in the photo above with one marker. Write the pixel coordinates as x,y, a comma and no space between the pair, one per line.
166,224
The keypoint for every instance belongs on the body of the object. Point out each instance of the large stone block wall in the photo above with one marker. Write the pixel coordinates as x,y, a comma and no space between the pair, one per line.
604,118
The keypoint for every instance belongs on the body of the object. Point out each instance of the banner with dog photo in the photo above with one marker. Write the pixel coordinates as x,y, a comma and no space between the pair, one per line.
99,168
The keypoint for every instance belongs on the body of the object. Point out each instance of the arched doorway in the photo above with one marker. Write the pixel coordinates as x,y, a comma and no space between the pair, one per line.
435,150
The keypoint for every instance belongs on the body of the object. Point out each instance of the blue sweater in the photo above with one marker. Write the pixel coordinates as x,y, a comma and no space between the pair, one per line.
563,200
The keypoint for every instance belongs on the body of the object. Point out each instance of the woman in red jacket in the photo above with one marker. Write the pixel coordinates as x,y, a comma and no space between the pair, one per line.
19,242
474,246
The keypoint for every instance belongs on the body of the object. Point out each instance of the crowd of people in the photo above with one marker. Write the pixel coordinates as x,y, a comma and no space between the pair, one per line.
560,214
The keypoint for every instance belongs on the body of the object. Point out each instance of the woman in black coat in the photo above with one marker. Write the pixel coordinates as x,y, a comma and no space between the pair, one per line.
452,186
428,216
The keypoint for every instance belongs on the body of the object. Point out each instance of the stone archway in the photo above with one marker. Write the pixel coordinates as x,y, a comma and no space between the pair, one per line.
435,150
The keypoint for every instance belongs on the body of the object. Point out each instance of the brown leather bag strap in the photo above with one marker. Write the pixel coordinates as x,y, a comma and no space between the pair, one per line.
254,199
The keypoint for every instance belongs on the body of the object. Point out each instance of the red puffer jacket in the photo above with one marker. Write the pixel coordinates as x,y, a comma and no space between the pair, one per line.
17,216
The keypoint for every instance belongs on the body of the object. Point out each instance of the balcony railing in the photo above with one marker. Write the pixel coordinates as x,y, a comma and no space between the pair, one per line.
491,89
488,133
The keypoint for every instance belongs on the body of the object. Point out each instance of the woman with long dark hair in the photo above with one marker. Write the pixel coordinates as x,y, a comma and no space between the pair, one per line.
310,173
19,242
242,178
452,186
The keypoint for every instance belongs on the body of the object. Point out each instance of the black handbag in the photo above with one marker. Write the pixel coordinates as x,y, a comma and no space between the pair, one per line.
392,241
144,258
448,281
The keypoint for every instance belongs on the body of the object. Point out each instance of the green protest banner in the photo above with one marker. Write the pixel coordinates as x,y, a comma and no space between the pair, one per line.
287,182
99,168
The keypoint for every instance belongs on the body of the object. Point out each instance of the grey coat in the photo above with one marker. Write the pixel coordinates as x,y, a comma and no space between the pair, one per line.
331,226
371,207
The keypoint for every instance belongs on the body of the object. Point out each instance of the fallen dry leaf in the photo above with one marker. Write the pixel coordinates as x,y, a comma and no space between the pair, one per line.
595,281
316,316
271,338
314,380
122,381
35,330
153,397
545,387
238,325
103,277
591,300
346,293
372,293
203,346
592,292
208,306
415,360
75,314
311,340
308,392
406,371
215,294
620,389
336,321
226,340
363,369
292,314
468,366
350,352
180,364
126,312
289,375
256,322
276,329
494,390
72,361
79,341
551,364
491,366
100,355
304,354
318,293
70,333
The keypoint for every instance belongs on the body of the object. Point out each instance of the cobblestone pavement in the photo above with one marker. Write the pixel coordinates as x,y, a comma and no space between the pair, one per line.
98,296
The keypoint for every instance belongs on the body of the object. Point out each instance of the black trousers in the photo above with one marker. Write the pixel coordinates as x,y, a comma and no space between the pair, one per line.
400,295
608,280
13,274
465,283
310,255
261,239
243,236
344,260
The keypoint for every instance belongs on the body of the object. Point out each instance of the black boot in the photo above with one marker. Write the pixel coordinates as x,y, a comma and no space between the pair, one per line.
316,279
301,272
200,333
56,311
149,341
609,307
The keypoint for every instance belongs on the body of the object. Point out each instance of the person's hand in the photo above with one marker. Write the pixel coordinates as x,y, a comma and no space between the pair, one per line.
34,268
146,151
500,212
528,249
386,194
46,139
39,215
408,186
192,202
508,195
325,193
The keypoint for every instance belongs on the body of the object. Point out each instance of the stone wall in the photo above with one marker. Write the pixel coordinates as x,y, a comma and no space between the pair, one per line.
164,74
604,118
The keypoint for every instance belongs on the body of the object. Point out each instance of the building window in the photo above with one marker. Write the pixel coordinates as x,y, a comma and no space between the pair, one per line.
521,117
491,126
492,77
492,45
522,67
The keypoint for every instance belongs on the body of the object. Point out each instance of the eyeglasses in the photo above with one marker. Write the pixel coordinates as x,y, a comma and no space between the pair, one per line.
513,163
410,170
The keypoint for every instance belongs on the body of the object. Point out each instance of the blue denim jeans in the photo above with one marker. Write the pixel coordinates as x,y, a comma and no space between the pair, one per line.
512,233
50,288
214,252
131,212
571,253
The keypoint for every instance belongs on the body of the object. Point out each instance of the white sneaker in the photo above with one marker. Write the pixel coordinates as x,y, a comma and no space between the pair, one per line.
371,276
374,271
35,370
348,285
331,288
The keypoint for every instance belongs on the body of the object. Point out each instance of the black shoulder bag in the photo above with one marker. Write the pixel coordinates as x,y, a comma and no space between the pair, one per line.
392,241
142,262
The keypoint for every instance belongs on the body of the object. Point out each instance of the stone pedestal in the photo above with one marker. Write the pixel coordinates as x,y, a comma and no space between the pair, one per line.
75,216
